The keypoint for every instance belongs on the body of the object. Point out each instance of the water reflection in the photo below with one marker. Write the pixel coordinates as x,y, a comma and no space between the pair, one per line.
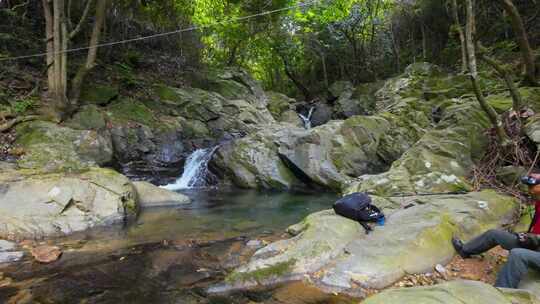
169,255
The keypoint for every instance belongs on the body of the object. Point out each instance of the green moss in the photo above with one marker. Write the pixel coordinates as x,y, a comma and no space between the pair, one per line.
166,93
262,274
28,135
132,110
88,118
98,94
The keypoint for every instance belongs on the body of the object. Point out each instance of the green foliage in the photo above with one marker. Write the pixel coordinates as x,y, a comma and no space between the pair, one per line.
126,74
22,105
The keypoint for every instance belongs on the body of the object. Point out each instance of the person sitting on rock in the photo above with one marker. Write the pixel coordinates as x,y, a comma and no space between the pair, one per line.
523,246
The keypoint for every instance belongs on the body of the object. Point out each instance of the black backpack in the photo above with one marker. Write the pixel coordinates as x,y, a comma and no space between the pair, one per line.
357,206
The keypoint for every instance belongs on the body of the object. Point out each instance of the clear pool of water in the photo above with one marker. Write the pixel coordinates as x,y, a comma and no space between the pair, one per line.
169,255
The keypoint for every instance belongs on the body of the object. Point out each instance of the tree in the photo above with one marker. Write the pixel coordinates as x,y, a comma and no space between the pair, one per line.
473,72
523,42
459,29
59,32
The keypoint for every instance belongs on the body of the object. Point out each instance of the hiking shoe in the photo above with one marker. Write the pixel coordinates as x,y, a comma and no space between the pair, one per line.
458,246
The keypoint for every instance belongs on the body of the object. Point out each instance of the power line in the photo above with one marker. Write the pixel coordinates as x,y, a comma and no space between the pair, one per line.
189,29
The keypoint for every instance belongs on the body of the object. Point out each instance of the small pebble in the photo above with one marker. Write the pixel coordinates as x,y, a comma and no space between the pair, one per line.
10,257
6,245
254,243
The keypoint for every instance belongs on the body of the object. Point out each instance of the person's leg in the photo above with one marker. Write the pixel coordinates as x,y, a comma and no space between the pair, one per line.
490,239
519,262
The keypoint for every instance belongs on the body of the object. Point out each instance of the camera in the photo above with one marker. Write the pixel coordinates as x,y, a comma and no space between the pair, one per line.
529,180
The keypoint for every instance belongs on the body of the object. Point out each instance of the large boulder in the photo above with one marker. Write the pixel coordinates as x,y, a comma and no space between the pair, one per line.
50,147
253,161
455,292
43,205
334,252
149,196
222,115
235,83
98,94
282,108
331,155
440,160
145,144
350,101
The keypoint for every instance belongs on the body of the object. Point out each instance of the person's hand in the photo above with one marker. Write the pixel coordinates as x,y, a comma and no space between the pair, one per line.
522,238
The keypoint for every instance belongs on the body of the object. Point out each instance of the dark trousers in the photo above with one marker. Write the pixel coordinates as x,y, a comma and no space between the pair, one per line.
519,260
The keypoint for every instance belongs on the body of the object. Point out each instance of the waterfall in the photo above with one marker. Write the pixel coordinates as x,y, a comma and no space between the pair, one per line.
195,170
307,120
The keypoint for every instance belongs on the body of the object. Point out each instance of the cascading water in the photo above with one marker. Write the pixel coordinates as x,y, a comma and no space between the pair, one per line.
195,170
307,120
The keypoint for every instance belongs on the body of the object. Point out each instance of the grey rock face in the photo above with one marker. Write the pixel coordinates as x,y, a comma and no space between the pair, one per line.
149,196
42,205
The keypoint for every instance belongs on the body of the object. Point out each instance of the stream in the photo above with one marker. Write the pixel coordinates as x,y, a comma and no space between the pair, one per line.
170,255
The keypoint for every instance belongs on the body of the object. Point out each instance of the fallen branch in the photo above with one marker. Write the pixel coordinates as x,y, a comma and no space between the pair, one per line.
10,124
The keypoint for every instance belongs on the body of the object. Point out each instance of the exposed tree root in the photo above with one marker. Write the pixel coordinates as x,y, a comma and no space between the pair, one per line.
13,122
520,153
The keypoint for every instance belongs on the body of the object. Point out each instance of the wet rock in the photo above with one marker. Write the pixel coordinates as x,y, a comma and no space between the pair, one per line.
58,204
11,256
254,243
46,254
149,196
456,292
322,114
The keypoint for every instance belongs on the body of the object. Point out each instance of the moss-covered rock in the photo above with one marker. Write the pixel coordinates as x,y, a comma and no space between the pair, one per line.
253,161
50,147
57,204
331,155
456,292
282,108
335,251
98,94
318,239
440,160
130,110
89,117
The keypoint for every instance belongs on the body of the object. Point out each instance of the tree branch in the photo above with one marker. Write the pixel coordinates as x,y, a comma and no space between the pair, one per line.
77,28
10,124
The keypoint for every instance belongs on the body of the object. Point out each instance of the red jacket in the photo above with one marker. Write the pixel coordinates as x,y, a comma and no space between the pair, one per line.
535,224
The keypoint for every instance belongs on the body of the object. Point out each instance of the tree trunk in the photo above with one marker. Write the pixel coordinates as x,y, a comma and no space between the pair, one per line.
523,42
297,83
490,112
395,47
325,72
504,74
461,36
76,84
424,42
57,55
49,36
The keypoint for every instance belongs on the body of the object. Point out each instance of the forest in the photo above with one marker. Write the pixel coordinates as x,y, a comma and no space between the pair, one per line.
201,151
